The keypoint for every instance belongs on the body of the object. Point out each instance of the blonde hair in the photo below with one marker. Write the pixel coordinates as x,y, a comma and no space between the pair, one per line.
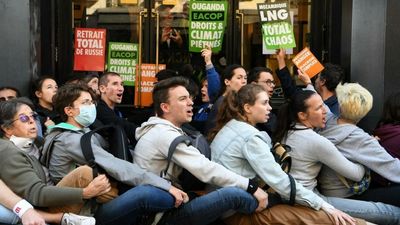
355,101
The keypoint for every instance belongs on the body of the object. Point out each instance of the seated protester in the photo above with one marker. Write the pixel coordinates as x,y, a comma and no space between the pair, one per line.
173,107
92,81
111,89
325,82
358,146
168,73
234,78
263,77
241,148
13,209
209,90
8,93
388,133
44,89
310,151
23,173
77,109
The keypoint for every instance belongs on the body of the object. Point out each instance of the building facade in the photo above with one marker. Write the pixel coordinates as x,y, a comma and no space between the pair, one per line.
360,35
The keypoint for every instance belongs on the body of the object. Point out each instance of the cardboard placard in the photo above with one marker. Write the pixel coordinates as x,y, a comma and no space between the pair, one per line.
89,52
207,22
277,29
122,59
147,80
308,63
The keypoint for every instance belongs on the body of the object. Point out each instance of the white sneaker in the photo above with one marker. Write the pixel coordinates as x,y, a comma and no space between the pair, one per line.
73,219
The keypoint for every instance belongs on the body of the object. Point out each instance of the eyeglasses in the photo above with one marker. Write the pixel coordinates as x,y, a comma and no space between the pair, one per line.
268,82
3,99
25,118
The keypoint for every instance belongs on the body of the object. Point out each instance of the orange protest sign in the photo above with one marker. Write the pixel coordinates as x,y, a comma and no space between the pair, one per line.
308,63
89,52
144,97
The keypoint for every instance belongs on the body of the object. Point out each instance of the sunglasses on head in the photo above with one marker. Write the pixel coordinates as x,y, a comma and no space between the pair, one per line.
25,118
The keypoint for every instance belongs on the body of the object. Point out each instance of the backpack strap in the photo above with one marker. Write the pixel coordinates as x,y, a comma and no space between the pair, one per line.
281,154
47,150
87,149
343,180
172,148
292,190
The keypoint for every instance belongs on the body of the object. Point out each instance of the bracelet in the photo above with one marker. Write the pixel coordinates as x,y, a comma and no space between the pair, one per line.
252,187
21,207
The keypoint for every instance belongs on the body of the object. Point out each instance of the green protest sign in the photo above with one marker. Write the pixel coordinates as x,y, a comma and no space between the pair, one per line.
207,21
277,28
122,59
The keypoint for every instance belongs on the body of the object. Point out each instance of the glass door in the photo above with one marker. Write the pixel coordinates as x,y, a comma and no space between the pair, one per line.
252,52
251,46
123,20
170,27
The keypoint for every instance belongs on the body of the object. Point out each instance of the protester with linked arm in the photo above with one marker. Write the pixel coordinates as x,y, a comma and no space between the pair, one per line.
297,120
241,148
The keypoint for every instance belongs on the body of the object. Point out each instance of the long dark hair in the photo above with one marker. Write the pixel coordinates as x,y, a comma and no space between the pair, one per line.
37,85
232,107
391,110
228,74
287,115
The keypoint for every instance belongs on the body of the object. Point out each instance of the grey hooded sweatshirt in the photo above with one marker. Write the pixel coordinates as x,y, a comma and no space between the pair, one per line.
151,151
357,146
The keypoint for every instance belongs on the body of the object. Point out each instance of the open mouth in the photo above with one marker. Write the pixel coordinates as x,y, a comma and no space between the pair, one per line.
119,95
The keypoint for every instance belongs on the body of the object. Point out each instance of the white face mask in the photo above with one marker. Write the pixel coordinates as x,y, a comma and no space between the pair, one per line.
87,115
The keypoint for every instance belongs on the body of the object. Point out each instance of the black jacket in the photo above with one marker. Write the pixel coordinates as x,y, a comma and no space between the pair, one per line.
106,115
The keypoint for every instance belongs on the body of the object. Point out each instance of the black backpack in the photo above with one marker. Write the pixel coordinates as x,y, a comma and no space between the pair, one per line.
118,145
114,134
282,157
188,181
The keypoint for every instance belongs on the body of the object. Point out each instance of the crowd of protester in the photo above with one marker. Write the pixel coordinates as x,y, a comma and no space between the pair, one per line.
339,173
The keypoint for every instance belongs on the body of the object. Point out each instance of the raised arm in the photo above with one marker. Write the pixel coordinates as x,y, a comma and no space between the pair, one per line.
213,79
288,86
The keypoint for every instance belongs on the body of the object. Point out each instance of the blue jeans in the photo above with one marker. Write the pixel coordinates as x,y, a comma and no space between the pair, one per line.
207,208
128,207
375,212
7,216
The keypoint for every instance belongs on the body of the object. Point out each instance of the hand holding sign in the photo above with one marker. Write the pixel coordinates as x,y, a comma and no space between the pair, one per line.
280,56
206,53
304,77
